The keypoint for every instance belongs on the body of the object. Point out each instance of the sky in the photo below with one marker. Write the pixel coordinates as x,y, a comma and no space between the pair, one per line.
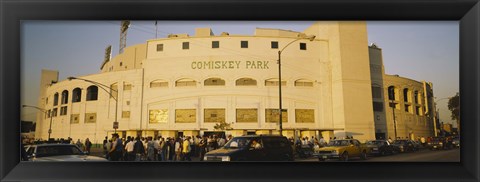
420,50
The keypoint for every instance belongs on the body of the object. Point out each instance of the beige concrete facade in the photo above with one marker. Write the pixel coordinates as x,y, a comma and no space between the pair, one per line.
184,85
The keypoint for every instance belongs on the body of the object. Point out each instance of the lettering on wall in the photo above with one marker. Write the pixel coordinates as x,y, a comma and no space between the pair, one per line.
230,65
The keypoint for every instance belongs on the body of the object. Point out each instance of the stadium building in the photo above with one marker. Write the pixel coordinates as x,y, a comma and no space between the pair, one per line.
332,86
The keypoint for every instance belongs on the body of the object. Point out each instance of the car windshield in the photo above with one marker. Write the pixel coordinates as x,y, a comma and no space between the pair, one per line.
375,142
46,151
339,143
239,142
400,142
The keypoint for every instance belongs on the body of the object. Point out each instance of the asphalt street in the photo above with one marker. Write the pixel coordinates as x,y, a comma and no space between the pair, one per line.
423,155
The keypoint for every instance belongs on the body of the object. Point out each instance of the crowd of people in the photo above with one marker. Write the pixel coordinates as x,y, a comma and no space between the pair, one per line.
159,148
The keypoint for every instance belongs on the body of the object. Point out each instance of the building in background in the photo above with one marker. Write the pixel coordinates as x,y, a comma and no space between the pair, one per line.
333,86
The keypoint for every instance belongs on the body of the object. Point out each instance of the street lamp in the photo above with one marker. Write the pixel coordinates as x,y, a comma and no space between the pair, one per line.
300,37
45,112
391,97
103,87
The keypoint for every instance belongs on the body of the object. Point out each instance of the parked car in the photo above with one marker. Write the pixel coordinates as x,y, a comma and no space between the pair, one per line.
417,145
404,146
59,152
380,147
253,148
343,150
436,143
456,142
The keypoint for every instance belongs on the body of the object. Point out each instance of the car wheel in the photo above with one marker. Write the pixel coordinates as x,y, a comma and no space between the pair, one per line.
344,157
364,155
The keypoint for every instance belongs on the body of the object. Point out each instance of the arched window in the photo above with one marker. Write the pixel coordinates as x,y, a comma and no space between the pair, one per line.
186,82
415,94
77,95
55,99
246,82
214,82
64,97
158,83
92,93
303,83
114,90
274,82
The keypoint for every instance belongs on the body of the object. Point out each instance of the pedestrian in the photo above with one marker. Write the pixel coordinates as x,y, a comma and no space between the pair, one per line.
150,149
203,147
178,149
129,149
221,142
186,148
117,148
138,149
171,149
88,145
105,151
163,149
79,144
108,147
156,147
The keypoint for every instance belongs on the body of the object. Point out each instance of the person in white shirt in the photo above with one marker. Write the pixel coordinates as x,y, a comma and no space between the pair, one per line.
129,149
178,150
221,142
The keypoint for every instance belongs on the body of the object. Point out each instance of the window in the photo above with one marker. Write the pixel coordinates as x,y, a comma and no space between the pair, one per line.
391,93
90,117
158,83
247,116
416,97
92,93
303,46
376,92
243,44
303,83
214,115
246,82
158,116
127,86
304,116
185,82
274,45
405,95
127,102
74,118
185,45
114,91
214,81
54,112
64,97
274,82
215,44
185,115
378,106
63,111
76,95
121,63
419,110
49,113
273,116
408,108
159,47
55,99
125,114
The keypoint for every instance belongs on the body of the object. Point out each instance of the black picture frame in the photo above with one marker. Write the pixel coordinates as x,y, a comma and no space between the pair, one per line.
13,12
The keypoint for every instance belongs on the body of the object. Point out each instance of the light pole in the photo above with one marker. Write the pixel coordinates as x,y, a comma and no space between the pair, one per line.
300,37
103,87
391,97
45,112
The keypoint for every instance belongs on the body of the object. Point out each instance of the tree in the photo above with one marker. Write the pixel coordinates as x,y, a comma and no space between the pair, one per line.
222,125
454,107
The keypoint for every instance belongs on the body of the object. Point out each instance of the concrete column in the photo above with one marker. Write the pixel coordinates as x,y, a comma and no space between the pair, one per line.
326,135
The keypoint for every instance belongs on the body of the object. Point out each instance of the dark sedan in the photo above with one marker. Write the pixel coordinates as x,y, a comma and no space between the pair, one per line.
380,147
404,146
